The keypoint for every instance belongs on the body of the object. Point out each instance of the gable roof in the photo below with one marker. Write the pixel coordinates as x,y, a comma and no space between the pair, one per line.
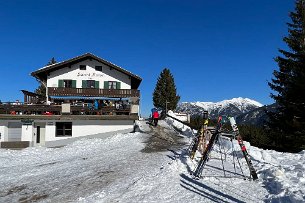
42,73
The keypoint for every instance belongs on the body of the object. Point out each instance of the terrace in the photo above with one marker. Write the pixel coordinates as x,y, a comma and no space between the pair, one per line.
82,101
92,92
103,107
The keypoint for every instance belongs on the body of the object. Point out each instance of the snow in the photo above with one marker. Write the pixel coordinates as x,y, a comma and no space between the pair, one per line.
115,169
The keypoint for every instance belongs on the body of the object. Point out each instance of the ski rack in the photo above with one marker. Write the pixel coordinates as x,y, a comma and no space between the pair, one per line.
215,136
205,156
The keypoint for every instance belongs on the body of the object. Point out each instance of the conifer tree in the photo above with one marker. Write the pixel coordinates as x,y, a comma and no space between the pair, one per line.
288,122
41,89
165,93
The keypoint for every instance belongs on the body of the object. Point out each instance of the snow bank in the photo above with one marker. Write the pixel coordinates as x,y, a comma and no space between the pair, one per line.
185,130
282,174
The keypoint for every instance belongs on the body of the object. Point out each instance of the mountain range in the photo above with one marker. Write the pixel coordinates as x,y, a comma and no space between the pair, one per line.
246,111
256,116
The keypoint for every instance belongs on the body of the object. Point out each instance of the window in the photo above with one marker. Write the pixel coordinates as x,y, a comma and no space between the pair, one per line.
63,129
99,68
68,83
82,67
112,85
90,84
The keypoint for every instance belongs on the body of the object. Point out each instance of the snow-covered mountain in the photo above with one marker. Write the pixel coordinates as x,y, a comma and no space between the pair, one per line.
232,107
256,116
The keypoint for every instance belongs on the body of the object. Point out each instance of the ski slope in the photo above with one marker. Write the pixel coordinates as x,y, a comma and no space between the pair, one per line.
116,169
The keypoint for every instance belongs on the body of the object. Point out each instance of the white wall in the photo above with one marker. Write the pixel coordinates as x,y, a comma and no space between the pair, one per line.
87,127
80,128
3,131
74,73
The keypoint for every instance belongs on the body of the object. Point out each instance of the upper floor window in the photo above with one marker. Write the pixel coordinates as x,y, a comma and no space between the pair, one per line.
99,68
68,83
90,84
82,67
112,85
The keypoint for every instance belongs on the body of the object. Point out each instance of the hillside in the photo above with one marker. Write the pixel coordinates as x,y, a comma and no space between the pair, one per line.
256,116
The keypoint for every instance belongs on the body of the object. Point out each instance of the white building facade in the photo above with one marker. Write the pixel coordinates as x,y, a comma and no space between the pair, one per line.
86,78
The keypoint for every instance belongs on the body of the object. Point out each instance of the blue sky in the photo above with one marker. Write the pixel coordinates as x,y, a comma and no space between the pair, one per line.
216,50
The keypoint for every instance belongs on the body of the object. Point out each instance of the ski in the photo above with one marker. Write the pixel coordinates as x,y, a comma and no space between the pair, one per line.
198,139
198,170
195,143
243,148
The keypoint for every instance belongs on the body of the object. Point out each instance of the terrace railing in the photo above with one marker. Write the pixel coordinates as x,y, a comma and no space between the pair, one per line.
92,92
42,109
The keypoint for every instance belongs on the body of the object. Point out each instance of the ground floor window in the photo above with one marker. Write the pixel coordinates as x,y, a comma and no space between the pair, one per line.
63,129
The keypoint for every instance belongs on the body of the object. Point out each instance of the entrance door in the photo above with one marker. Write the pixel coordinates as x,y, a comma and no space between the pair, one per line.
38,134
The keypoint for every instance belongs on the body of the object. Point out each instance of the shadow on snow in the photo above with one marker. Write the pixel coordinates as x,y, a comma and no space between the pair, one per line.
205,191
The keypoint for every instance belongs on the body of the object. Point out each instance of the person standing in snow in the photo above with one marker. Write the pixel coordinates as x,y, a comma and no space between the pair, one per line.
152,113
155,116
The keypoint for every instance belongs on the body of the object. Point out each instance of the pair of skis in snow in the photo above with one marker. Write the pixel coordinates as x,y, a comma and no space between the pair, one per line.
243,148
214,138
200,136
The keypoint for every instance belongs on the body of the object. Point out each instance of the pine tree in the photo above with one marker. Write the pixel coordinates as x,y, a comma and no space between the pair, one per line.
288,122
41,89
165,93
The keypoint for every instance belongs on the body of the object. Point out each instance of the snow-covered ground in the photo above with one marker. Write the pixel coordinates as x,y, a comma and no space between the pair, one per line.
118,169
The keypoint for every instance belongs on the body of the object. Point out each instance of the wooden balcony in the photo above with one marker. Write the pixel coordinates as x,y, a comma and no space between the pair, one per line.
92,92
42,109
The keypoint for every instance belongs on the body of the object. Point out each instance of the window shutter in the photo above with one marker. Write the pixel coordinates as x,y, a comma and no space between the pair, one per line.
118,85
60,83
106,85
84,84
73,83
97,84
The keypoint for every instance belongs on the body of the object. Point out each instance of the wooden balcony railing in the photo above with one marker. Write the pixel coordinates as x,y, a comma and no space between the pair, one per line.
42,109
92,92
